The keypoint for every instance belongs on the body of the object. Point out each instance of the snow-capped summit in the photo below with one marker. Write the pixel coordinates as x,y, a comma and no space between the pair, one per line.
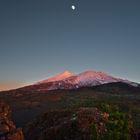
68,80
59,77
93,77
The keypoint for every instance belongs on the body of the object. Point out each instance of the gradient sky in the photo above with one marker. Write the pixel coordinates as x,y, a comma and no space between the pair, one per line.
39,38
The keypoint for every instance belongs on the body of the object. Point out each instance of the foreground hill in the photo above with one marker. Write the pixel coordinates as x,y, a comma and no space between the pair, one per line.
32,103
29,103
81,124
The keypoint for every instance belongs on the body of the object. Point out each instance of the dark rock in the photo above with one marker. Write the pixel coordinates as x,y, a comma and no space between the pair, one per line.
8,130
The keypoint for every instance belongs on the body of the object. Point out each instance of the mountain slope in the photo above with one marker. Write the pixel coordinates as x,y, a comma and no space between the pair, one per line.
68,80
59,77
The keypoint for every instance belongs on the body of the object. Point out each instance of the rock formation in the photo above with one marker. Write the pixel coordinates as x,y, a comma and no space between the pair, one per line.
8,130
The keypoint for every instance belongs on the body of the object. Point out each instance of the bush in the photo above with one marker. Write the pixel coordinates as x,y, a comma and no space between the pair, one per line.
118,125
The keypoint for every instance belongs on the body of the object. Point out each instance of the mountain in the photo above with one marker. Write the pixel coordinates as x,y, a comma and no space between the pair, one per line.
59,77
68,80
66,94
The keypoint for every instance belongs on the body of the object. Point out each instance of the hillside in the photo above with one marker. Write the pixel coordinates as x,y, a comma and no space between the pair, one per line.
28,105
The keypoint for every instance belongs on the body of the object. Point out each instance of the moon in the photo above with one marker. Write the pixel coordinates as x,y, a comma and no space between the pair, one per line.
73,7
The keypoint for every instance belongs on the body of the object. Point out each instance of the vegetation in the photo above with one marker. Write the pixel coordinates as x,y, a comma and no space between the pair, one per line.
119,124
120,103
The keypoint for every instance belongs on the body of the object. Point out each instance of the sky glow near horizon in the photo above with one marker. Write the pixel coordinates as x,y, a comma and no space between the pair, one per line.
39,39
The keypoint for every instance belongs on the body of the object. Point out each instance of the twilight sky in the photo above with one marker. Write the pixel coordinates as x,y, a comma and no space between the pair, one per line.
39,38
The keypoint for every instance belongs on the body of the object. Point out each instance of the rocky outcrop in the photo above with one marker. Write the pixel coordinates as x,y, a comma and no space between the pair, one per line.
68,125
8,130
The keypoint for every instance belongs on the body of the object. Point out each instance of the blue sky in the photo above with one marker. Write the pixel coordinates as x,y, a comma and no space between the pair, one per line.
39,38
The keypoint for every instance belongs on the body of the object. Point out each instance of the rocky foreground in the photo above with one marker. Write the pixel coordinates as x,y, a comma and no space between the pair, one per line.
80,124
8,130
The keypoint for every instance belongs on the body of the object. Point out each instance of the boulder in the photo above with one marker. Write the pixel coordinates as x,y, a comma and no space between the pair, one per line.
8,130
